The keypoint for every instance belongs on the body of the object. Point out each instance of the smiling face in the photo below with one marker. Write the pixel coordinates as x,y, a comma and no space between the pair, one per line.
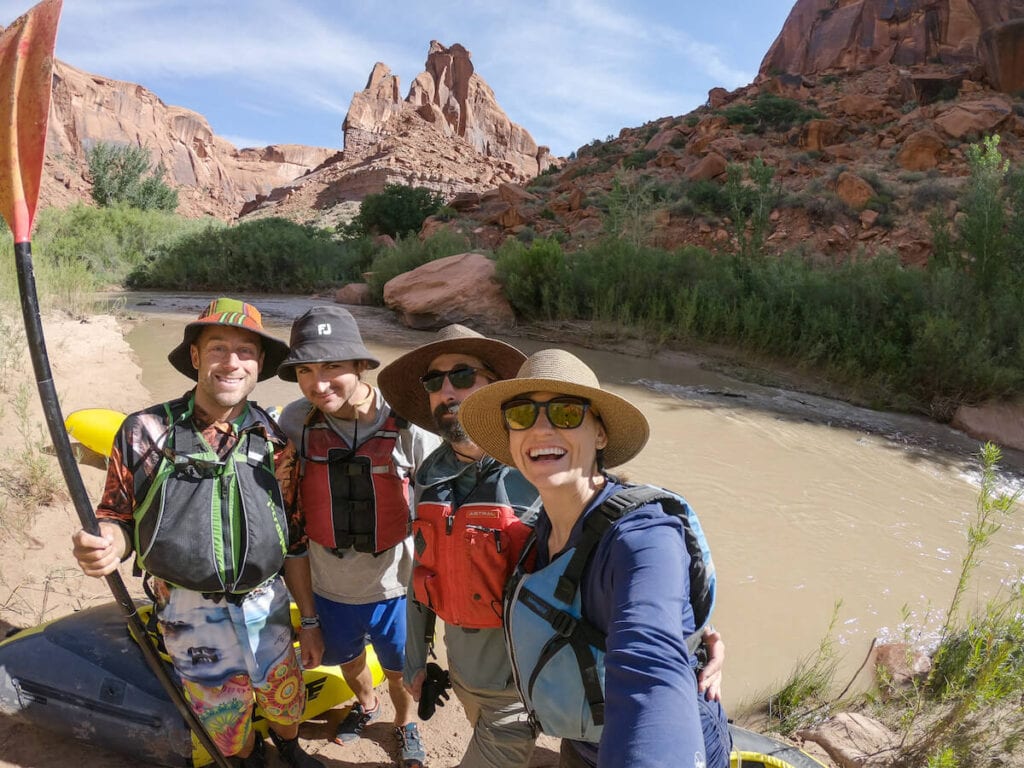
227,362
557,459
330,386
444,404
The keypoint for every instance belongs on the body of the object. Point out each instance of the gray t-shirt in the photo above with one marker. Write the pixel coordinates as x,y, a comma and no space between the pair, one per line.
359,578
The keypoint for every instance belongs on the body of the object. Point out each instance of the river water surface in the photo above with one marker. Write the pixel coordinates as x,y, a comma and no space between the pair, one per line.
806,501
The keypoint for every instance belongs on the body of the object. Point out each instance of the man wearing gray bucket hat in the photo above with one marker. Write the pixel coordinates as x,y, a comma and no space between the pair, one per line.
351,553
471,521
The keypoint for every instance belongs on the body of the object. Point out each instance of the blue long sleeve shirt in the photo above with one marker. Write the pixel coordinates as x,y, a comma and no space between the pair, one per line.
636,591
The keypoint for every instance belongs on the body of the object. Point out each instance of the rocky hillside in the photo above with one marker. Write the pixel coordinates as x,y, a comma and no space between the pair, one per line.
212,176
862,108
449,135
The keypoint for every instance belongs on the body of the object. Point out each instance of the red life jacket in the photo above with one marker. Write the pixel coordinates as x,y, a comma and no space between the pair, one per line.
353,498
464,559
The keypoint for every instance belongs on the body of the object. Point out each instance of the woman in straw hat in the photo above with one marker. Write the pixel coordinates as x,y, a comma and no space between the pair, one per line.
600,632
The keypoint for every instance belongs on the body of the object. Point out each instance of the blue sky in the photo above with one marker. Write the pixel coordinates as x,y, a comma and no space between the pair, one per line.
568,71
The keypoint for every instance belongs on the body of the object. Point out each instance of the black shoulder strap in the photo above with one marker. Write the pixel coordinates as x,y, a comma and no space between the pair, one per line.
619,504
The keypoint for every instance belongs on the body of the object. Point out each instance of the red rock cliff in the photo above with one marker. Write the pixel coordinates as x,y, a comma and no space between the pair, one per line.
211,175
449,97
858,34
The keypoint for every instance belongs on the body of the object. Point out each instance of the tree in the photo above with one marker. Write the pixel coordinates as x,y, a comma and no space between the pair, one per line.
396,211
121,176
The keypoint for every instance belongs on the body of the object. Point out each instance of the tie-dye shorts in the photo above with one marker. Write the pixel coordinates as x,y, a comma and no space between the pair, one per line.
229,655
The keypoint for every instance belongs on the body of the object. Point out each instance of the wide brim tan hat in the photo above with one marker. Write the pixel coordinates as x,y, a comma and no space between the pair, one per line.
237,314
560,372
399,381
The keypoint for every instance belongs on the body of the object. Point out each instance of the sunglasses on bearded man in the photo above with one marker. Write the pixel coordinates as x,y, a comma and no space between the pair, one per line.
562,412
461,377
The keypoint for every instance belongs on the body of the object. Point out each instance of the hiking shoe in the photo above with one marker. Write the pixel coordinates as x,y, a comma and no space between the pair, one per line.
351,728
413,754
291,753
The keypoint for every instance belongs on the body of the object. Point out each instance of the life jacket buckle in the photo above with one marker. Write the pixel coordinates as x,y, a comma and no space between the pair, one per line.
564,623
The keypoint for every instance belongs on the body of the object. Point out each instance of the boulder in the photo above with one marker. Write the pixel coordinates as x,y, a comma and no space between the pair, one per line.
921,151
718,97
354,293
708,167
817,134
1002,422
898,665
854,740
456,289
974,118
1002,54
861,106
853,190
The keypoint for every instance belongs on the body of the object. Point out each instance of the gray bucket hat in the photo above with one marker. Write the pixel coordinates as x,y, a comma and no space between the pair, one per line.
322,335
400,379
558,371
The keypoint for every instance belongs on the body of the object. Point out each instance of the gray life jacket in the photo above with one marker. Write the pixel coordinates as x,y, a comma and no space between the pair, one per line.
210,524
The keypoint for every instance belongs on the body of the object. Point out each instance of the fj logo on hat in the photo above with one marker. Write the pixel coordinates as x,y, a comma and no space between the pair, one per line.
324,329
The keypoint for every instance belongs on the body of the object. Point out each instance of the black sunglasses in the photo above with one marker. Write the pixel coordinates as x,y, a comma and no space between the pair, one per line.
461,377
562,412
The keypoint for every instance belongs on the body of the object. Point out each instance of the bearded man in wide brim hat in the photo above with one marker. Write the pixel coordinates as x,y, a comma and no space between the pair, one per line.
472,518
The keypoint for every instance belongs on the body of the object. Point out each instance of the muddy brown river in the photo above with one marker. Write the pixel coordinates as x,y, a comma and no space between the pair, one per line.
807,502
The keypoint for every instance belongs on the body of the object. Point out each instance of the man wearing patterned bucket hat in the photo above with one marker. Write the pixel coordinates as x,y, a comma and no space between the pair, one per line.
192,490
350,527
472,518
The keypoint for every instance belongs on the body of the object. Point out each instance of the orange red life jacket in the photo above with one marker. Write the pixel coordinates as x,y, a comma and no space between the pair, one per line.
353,498
464,558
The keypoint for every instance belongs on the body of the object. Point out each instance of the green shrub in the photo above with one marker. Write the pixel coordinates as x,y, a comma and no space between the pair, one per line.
638,159
266,255
409,253
709,197
397,211
769,112
535,278
81,250
121,176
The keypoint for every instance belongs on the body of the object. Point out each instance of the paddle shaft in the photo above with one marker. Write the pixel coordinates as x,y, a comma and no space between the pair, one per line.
80,497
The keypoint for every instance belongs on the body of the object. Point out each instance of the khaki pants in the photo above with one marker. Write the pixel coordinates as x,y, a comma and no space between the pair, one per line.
502,737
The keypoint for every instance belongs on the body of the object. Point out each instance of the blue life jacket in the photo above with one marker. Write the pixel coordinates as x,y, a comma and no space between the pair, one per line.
557,655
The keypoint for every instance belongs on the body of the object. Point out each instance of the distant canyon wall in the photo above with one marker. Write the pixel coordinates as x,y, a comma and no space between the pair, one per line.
820,35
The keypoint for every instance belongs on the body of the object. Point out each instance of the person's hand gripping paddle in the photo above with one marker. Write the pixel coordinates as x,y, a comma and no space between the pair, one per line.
26,75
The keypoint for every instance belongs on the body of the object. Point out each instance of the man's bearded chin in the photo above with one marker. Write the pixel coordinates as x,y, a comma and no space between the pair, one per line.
446,417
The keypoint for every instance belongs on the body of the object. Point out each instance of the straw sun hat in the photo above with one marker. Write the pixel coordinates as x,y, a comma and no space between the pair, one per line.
235,313
400,379
557,371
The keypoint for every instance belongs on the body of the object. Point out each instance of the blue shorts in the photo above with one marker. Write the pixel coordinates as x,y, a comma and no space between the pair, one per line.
348,628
